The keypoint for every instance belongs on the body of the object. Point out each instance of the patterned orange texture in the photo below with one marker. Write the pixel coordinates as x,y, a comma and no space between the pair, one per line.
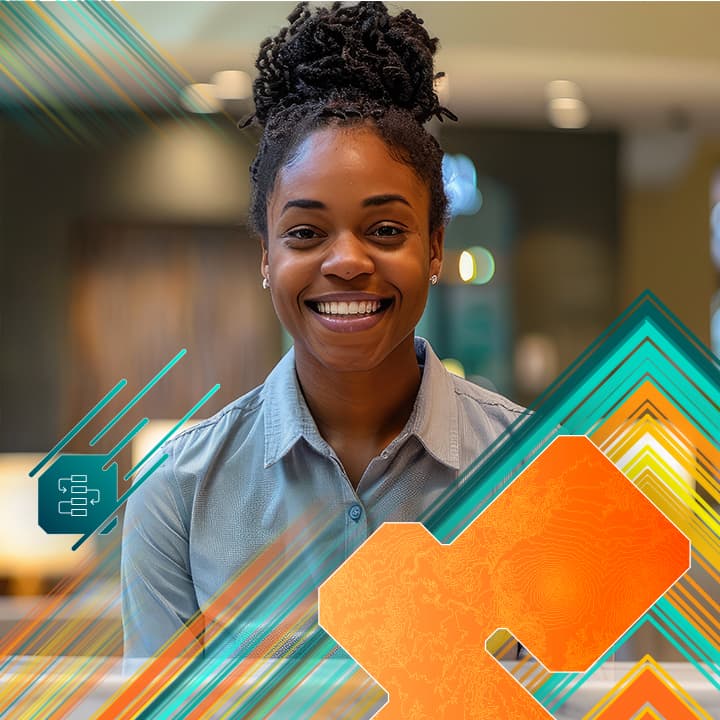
566,558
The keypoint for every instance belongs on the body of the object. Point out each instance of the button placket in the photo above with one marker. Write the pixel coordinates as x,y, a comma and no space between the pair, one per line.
356,527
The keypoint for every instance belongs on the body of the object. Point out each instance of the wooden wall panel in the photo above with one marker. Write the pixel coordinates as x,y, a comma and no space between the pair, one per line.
138,294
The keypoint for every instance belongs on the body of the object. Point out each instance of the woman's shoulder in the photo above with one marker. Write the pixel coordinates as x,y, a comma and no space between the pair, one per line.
488,400
473,399
483,416
236,420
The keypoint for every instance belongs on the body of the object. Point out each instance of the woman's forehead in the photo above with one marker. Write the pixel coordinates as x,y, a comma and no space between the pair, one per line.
333,160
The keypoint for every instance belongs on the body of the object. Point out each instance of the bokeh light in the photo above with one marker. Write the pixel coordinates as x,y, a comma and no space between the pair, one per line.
454,366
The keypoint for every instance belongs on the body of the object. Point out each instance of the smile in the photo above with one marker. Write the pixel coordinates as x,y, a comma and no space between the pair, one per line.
354,307
349,316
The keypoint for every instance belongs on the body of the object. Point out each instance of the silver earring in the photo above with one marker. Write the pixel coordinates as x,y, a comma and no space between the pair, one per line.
433,279
266,283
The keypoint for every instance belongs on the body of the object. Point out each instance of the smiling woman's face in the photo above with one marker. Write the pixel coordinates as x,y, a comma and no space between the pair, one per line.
349,251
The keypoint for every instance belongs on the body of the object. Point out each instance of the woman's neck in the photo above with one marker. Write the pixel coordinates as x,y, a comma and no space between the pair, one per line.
370,406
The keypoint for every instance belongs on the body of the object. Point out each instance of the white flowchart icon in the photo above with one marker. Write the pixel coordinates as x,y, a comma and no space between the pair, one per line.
80,496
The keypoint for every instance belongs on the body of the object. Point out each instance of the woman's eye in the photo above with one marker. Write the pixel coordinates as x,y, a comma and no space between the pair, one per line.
303,233
302,237
388,231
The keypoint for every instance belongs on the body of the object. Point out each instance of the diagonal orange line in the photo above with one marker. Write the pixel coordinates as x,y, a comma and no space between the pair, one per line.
156,674
701,591
709,569
229,684
59,596
84,55
686,607
647,688
30,95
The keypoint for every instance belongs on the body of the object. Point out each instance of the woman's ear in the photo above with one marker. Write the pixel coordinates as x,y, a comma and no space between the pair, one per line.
264,267
437,241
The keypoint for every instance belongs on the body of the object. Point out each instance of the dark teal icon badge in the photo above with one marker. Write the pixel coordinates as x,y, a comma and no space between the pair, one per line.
76,494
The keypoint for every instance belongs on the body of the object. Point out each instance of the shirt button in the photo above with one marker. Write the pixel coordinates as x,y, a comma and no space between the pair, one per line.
355,512
384,454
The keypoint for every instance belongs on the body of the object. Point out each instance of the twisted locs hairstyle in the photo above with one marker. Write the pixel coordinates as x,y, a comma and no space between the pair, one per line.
347,65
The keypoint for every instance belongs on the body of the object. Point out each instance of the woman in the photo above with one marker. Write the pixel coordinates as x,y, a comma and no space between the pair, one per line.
361,416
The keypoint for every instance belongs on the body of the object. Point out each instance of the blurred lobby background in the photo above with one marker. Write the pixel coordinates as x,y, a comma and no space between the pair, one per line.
585,169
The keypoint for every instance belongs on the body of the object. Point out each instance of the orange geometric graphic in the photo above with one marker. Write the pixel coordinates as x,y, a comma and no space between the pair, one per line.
644,686
566,558
649,715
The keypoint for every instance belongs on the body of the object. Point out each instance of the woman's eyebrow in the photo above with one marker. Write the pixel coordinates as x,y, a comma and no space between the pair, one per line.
305,204
384,199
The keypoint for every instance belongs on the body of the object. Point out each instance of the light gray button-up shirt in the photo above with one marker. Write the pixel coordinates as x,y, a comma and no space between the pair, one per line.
234,482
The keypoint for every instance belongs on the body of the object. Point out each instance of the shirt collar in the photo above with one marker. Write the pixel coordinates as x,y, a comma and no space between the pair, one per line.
287,416
433,420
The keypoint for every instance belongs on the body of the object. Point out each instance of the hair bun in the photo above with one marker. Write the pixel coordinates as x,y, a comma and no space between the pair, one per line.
356,53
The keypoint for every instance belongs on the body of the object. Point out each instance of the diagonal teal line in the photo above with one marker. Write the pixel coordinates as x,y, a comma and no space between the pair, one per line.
685,368
167,83
42,45
291,673
126,55
139,482
140,45
297,704
123,443
64,441
555,411
555,693
688,634
659,625
60,51
109,527
174,429
146,54
144,50
140,395
18,64
43,711
52,665
291,585
121,500
93,71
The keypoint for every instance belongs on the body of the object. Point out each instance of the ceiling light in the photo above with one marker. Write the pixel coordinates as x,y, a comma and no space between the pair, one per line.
232,85
562,89
200,98
568,113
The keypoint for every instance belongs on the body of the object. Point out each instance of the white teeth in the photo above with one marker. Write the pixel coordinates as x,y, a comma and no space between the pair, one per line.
354,307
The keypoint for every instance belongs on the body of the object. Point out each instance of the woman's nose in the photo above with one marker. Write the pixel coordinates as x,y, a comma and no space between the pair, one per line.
348,257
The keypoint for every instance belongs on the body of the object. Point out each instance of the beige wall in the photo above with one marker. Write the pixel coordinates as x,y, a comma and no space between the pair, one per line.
666,241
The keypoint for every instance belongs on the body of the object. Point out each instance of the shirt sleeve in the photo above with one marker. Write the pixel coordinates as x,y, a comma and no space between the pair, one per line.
158,596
